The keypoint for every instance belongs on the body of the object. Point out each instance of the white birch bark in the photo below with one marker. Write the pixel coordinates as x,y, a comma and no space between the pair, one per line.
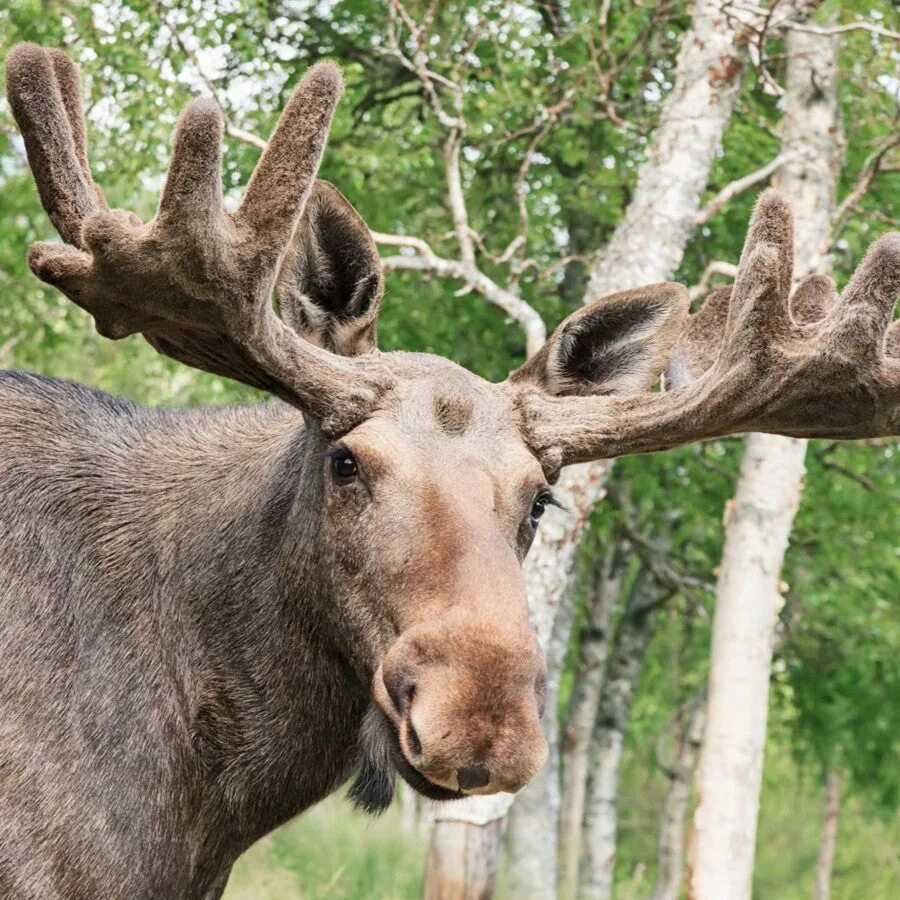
593,650
626,660
675,809
647,246
759,520
828,841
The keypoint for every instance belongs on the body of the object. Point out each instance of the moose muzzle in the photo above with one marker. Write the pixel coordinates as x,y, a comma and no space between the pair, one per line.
466,700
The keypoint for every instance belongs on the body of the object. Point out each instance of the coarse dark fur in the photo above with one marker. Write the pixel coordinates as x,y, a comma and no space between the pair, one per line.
169,666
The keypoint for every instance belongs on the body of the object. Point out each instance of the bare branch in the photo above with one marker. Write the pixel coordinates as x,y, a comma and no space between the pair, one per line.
425,260
7,347
239,134
716,267
465,268
515,307
871,167
245,137
403,240
787,21
654,555
739,185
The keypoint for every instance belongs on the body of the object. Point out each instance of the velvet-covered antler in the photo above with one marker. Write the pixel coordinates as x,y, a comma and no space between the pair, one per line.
750,360
196,281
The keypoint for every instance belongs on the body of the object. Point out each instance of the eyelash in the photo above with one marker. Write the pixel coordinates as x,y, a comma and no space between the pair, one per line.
542,500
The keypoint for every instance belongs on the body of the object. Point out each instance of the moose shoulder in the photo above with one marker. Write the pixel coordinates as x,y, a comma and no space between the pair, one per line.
211,619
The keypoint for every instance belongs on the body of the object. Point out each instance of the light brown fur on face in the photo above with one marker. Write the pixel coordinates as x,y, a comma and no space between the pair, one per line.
446,486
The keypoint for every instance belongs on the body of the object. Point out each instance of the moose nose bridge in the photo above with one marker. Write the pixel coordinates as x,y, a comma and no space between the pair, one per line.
490,574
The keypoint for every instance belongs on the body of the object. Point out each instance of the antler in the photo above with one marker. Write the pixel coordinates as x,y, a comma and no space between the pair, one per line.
196,281
750,360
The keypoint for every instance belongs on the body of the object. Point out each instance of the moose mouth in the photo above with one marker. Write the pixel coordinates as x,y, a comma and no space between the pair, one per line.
383,759
413,777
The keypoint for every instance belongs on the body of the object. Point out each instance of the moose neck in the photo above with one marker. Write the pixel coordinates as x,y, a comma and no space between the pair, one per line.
276,700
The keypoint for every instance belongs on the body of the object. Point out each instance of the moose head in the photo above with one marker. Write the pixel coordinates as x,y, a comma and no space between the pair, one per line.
421,485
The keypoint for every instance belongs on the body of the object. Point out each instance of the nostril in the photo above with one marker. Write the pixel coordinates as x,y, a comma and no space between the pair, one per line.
412,740
472,777
401,689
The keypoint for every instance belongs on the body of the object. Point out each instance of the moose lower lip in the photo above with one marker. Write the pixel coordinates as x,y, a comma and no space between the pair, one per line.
415,779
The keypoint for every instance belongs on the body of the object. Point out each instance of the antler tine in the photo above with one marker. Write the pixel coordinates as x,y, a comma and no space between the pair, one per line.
753,358
193,187
700,340
45,97
813,299
862,318
758,308
284,176
195,281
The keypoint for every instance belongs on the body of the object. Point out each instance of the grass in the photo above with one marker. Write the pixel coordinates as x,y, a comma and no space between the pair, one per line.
335,853
332,852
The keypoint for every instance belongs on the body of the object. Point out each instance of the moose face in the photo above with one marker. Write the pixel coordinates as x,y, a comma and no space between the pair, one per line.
432,503
431,480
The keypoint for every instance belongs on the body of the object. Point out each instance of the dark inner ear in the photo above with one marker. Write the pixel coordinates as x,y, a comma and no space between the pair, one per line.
616,345
591,351
330,285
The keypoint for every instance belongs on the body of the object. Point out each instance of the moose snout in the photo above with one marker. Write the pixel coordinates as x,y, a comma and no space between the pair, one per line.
466,706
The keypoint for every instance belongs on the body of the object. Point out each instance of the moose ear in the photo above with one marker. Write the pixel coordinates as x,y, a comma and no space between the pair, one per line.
330,284
616,345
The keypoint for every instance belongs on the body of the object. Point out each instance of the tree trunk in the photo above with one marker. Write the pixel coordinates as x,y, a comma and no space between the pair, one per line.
593,648
647,246
532,837
828,842
462,860
605,756
759,520
675,808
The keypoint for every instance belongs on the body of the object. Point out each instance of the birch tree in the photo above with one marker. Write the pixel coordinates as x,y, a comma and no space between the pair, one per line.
680,771
633,633
828,839
656,582
646,246
758,520
593,648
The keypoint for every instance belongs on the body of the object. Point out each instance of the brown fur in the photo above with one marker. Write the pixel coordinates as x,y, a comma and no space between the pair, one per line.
747,361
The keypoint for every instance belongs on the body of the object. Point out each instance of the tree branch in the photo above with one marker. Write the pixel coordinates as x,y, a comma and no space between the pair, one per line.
424,259
739,185
716,267
514,306
871,168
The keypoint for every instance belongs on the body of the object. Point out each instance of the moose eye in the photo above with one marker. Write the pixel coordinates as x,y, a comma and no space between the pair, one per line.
343,466
538,508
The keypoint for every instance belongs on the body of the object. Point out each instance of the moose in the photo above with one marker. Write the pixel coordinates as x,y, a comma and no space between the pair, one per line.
211,619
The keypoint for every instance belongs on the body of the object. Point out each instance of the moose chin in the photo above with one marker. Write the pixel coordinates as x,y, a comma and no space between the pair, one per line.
212,619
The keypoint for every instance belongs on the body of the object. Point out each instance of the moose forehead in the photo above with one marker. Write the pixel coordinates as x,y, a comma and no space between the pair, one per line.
450,421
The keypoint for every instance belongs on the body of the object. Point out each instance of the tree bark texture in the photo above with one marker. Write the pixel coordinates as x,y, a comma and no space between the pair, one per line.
460,868
532,829
632,637
828,842
593,649
646,247
675,809
759,521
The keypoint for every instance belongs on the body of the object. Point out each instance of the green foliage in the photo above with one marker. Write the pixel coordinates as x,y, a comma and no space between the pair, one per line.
329,854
